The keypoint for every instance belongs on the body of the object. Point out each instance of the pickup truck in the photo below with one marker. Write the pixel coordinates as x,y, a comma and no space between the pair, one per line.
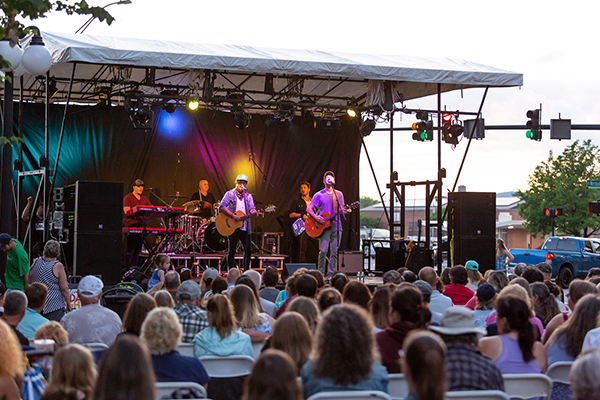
570,257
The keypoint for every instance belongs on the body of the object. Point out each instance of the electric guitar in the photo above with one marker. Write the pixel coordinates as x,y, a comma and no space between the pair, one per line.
316,229
227,225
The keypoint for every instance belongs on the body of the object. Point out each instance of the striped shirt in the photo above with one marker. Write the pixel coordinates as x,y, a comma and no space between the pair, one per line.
42,272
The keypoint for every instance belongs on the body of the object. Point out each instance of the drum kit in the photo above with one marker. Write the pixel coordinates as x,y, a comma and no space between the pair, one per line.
197,235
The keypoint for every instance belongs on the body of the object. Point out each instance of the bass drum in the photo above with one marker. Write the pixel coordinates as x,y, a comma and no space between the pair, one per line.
213,239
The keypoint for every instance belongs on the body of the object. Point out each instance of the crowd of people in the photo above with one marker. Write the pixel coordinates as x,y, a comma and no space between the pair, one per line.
462,335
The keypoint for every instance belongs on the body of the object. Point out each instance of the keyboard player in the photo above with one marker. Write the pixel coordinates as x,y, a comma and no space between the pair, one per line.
133,241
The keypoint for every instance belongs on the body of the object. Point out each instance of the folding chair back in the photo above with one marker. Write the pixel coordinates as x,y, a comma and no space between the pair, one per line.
527,386
186,349
164,390
227,367
560,372
477,394
397,386
351,394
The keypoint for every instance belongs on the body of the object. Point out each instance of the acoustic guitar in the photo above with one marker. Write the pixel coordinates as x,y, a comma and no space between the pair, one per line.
316,229
227,225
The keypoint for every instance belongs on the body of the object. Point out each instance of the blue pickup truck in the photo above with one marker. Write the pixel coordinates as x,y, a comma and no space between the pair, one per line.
569,256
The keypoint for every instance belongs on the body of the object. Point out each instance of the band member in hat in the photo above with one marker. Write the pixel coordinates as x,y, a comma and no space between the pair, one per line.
133,241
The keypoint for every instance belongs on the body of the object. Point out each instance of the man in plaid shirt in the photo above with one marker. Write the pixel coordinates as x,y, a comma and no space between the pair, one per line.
192,318
468,369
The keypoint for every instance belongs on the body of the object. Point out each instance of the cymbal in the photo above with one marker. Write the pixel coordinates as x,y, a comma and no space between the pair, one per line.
177,196
196,205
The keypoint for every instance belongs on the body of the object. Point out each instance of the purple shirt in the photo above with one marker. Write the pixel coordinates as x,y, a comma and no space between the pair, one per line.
323,201
229,201
511,360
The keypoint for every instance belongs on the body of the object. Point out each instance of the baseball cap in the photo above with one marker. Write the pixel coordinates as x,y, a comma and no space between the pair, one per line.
458,321
424,287
90,286
486,292
4,240
210,273
138,182
472,265
242,177
328,173
189,288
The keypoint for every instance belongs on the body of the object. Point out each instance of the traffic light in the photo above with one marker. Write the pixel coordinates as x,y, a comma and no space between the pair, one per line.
450,132
424,131
595,207
533,125
553,212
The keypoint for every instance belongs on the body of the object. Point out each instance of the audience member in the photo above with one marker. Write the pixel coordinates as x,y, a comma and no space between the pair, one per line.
260,385
306,307
409,276
339,280
438,302
50,272
467,368
486,298
445,278
218,286
221,338
577,289
407,314
12,367
426,292
135,314
339,363
593,273
163,299
17,262
265,304
379,306
329,297
208,277
566,342
185,274
424,365
54,331
546,270
290,287
193,319
525,285
2,296
305,285
558,295
519,292
392,276
36,298
519,268
473,275
270,278
91,323
532,275
358,293
457,289
161,331
515,350
232,275
249,317
498,280
292,335
15,306
126,372
318,275
585,376
172,283
544,304
160,266
73,374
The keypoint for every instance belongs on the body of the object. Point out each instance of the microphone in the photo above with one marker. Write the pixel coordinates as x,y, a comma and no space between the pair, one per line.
148,189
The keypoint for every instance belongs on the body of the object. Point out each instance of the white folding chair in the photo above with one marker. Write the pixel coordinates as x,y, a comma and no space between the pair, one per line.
227,367
186,349
95,346
257,347
527,386
560,372
477,394
397,386
351,394
164,390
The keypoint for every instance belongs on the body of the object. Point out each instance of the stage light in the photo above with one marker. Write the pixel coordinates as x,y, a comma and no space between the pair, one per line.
451,132
193,104
351,113
169,107
533,125
52,88
103,97
447,117
142,118
422,115
367,127
241,119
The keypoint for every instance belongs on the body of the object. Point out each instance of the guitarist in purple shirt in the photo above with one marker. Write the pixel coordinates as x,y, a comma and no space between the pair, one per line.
238,199
331,201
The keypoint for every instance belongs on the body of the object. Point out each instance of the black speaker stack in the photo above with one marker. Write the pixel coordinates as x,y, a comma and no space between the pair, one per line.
472,228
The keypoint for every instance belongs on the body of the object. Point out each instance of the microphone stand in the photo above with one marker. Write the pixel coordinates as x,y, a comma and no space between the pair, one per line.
265,178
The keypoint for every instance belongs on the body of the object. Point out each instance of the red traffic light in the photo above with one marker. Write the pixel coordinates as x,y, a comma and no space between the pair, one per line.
553,212
447,117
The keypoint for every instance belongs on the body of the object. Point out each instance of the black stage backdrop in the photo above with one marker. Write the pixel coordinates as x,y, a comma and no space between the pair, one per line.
187,146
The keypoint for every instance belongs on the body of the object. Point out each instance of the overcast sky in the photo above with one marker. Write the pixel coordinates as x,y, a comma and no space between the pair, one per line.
554,44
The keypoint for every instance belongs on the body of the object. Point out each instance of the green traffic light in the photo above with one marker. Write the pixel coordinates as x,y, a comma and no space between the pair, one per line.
529,135
423,136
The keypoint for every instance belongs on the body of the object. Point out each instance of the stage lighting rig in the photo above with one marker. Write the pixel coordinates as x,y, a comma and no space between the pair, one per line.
103,93
367,127
241,119
451,131
193,104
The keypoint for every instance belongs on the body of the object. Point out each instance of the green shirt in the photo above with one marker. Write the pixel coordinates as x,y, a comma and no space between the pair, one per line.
17,266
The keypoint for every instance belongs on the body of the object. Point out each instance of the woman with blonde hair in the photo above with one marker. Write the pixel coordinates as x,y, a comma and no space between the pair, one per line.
379,306
344,355
306,307
424,365
11,364
52,330
520,293
73,374
137,309
292,335
247,312
221,338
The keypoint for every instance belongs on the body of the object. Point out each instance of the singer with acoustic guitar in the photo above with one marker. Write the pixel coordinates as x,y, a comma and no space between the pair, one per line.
329,201
238,199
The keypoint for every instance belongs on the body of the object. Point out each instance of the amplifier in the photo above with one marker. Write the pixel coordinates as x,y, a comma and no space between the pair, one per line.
351,262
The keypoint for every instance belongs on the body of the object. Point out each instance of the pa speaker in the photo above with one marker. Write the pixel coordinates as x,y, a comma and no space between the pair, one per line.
472,215
289,269
98,254
482,250
98,206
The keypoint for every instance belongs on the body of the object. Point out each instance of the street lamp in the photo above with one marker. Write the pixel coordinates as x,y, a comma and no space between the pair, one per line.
36,59
83,27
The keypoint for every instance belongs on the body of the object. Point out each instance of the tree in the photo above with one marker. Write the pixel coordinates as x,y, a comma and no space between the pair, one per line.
368,222
561,183
367,201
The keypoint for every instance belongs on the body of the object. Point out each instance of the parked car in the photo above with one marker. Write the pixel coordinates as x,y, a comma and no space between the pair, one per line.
569,256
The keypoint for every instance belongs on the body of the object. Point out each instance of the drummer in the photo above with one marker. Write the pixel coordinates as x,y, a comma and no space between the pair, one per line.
205,200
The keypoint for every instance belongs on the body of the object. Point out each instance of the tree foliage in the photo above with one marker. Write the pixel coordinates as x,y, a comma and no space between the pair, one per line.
560,182
367,201
369,222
